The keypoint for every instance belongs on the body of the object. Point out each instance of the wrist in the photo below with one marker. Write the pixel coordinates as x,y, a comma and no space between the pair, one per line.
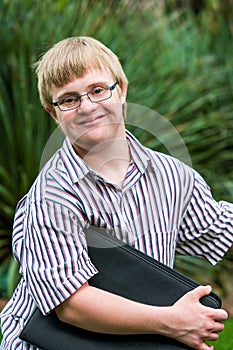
166,325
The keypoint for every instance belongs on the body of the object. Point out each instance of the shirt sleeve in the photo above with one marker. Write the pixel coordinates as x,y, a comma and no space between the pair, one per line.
55,261
207,226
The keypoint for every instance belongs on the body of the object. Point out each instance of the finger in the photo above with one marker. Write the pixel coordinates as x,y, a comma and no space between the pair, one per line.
200,292
222,315
218,315
213,337
218,327
204,346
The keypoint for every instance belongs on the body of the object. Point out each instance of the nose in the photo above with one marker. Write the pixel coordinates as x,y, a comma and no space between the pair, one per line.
86,103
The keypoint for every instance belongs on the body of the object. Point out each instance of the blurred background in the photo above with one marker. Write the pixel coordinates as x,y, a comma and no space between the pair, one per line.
177,55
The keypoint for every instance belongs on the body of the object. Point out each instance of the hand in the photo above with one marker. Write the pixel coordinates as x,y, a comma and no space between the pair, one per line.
193,323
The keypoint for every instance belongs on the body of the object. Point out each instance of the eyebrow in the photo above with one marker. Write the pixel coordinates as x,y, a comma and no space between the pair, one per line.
89,87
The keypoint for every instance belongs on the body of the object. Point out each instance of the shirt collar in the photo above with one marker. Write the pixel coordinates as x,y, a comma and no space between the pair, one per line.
74,165
139,153
78,169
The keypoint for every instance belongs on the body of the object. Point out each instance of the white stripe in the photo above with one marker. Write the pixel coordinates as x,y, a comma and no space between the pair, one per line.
163,205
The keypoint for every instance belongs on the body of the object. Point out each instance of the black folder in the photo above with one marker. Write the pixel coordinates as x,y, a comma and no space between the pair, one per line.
127,272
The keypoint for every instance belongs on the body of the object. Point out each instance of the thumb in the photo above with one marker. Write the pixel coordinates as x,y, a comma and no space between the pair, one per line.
200,292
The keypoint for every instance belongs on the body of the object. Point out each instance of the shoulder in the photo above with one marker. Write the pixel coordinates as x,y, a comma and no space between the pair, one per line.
170,166
50,176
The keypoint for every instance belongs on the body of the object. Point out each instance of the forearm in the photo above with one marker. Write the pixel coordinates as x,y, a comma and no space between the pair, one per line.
187,320
97,310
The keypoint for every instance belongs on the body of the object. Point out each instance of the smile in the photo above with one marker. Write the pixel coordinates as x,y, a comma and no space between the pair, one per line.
91,120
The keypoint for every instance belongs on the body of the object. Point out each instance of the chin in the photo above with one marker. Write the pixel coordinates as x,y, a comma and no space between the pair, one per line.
90,141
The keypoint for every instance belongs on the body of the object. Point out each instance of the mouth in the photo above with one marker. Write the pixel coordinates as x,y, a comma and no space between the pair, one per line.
91,120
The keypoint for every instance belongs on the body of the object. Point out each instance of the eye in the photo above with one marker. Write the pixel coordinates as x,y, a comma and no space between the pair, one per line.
97,91
69,100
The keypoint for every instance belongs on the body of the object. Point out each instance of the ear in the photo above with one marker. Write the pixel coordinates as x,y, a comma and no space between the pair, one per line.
124,89
52,113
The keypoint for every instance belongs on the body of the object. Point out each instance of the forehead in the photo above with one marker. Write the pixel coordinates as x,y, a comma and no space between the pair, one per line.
80,85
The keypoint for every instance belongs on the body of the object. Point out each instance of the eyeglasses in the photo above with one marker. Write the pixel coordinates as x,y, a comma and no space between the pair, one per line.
98,94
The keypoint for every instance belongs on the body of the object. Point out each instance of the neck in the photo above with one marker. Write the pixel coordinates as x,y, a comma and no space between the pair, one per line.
110,159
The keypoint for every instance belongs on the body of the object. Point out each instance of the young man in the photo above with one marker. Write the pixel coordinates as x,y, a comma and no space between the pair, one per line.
103,176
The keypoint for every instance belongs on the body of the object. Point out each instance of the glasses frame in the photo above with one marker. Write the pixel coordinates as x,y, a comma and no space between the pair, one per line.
111,88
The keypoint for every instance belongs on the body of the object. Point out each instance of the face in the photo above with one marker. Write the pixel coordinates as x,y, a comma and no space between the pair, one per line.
93,122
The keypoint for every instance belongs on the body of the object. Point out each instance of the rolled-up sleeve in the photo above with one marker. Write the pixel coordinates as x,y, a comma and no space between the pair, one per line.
55,260
207,226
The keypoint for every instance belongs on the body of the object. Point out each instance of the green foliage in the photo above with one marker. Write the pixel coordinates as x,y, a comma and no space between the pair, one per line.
177,63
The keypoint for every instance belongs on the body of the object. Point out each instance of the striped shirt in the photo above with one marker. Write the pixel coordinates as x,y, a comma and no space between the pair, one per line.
164,207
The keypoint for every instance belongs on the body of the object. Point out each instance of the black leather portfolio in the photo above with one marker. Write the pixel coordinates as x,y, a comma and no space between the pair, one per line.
126,272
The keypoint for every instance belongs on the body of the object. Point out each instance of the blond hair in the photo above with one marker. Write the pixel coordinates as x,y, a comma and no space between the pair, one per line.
71,58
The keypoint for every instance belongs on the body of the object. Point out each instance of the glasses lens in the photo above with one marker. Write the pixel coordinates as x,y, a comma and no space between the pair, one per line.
69,102
99,94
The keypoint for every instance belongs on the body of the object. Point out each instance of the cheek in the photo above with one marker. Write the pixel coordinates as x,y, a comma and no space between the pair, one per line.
66,118
67,124
115,109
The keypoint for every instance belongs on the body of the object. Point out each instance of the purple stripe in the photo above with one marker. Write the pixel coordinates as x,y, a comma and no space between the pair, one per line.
163,205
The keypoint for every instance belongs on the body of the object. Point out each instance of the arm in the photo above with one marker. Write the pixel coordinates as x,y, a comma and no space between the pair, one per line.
97,310
205,221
